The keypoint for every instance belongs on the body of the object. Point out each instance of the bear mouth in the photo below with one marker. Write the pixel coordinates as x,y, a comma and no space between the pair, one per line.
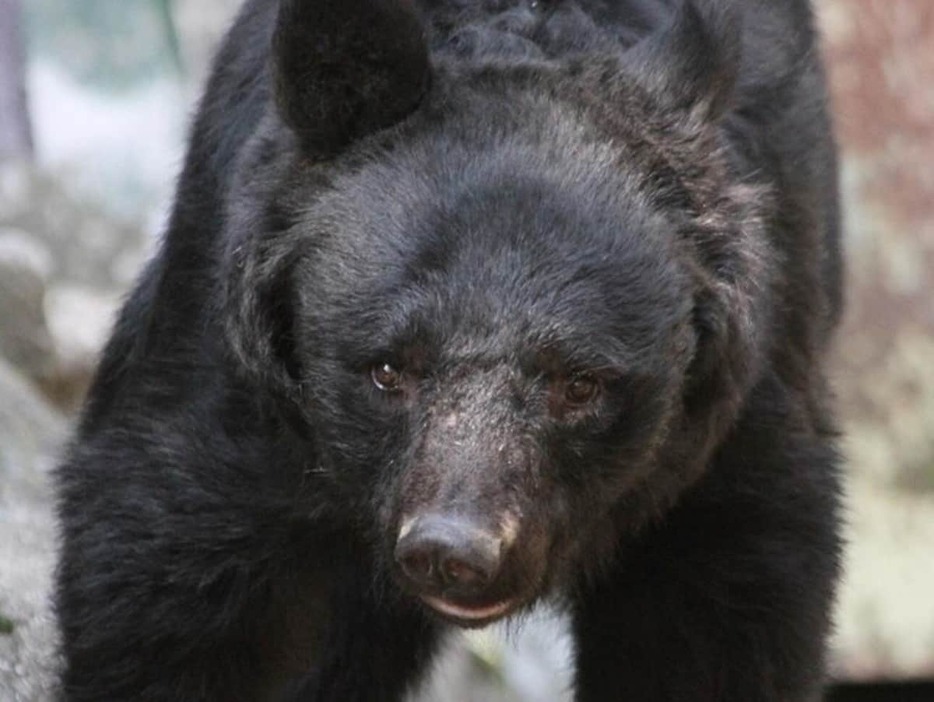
470,615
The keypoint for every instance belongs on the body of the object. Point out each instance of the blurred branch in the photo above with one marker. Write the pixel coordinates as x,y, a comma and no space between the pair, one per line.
15,131
164,8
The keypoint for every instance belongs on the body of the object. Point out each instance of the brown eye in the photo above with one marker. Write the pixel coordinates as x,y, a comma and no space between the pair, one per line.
386,377
581,390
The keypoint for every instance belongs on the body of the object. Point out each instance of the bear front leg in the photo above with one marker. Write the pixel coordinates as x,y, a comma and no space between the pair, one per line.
728,598
377,646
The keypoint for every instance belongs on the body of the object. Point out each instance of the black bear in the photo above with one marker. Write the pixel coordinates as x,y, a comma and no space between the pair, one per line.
465,305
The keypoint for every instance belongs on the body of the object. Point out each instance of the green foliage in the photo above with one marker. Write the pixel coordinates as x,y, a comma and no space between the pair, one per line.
6,626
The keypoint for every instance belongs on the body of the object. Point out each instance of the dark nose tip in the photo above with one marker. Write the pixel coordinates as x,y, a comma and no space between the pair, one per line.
452,553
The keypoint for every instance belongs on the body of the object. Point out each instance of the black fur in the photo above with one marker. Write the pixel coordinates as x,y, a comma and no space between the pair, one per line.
498,199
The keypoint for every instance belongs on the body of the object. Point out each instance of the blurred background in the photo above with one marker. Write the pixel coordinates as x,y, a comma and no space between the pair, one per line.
95,97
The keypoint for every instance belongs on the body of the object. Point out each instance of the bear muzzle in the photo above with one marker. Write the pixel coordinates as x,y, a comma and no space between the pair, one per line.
453,563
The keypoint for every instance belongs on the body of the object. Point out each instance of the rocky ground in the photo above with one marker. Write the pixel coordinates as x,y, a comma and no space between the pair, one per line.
30,436
60,282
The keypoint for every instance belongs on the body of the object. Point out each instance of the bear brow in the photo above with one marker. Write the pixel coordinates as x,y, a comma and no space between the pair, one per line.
573,356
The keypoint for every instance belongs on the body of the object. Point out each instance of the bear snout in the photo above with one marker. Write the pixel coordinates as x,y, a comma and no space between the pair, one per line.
449,554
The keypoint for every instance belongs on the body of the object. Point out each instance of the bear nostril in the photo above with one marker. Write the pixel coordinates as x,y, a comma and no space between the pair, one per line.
418,566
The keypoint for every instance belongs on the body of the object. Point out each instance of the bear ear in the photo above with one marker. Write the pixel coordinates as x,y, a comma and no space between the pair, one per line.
692,63
346,68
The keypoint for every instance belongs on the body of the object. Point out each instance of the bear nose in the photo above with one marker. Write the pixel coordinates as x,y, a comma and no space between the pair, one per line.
438,552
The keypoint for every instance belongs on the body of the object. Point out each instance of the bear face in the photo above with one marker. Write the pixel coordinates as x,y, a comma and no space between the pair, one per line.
492,313
480,369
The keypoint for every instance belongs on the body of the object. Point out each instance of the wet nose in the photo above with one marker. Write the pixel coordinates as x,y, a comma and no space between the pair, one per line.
437,551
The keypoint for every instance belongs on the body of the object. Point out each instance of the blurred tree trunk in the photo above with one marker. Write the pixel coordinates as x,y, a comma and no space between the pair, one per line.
15,131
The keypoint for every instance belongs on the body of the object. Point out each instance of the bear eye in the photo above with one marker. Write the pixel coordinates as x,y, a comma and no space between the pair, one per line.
581,390
386,377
